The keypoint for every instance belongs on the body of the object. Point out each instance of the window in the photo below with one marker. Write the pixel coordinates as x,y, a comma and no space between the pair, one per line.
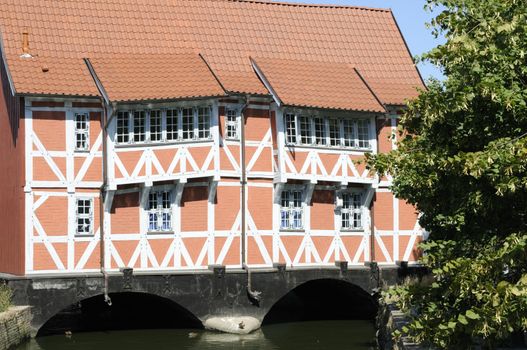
231,124
156,130
188,124
291,210
305,130
203,122
290,126
139,126
349,134
175,124
123,123
351,211
363,134
320,131
82,131
84,216
334,132
327,131
159,211
172,124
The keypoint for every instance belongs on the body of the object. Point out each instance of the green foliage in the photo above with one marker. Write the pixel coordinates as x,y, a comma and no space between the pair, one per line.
479,297
5,297
462,162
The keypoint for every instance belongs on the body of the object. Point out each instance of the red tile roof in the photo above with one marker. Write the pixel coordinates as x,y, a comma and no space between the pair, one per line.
155,77
316,84
226,32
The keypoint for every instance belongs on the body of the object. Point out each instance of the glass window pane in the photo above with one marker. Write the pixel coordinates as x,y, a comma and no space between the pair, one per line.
290,126
334,132
122,127
204,122
363,133
320,131
188,123
155,125
172,124
305,130
139,126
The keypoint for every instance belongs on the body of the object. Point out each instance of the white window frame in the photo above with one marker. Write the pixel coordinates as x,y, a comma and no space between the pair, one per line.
290,210
232,127
125,131
159,210
84,216
149,131
200,126
294,131
352,210
79,132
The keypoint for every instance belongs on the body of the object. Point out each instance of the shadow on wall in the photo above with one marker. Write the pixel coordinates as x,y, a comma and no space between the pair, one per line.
128,311
324,299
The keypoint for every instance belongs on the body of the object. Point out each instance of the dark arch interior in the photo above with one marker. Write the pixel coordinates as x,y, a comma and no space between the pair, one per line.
128,311
324,299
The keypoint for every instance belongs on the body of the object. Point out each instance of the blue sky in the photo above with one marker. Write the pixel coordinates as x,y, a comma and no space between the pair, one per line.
411,18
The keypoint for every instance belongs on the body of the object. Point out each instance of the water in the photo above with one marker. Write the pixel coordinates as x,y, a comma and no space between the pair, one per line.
313,335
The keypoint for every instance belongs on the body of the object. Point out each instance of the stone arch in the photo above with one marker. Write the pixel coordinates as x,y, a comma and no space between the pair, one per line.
128,310
320,298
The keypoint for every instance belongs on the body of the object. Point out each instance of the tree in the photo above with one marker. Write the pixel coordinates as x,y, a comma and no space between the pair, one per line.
462,162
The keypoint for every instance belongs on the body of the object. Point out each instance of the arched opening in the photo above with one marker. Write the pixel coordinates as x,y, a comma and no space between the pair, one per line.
128,311
323,299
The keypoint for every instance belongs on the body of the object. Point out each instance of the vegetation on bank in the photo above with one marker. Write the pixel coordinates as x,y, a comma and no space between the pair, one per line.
463,163
5,297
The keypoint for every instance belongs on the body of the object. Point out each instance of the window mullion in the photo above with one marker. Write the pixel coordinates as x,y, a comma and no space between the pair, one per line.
195,114
130,126
313,132
180,123
146,123
163,125
356,133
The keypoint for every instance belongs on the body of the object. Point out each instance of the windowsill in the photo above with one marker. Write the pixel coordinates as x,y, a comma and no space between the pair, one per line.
352,230
160,233
335,148
82,151
297,230
86,235
161,143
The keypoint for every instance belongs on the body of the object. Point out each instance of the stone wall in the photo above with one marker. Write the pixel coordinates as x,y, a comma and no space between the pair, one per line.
389,319
14,326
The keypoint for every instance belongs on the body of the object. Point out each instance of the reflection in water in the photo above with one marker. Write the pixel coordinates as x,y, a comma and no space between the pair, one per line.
316,335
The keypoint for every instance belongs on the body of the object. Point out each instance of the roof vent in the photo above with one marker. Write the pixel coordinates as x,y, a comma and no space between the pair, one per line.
25,45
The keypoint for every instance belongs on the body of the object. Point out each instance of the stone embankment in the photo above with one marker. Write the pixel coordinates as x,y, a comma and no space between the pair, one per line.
14,326
389,319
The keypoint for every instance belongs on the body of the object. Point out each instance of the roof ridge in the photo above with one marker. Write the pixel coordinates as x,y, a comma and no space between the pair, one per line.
300,4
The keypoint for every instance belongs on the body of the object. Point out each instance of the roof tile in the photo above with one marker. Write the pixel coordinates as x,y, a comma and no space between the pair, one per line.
226,31
155,77
319,85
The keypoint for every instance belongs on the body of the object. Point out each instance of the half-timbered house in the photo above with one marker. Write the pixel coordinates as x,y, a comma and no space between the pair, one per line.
171,135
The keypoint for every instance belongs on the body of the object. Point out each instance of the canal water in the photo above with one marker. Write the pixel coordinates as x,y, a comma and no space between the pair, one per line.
308,335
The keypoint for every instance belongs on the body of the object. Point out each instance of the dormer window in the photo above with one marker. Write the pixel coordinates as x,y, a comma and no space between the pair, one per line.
322,131
163,125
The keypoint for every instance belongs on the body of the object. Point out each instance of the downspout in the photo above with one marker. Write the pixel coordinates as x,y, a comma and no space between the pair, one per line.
254,296
243,179
106,118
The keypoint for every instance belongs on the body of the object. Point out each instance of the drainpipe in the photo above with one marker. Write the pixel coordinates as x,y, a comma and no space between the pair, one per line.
254,296
243,179
107,117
